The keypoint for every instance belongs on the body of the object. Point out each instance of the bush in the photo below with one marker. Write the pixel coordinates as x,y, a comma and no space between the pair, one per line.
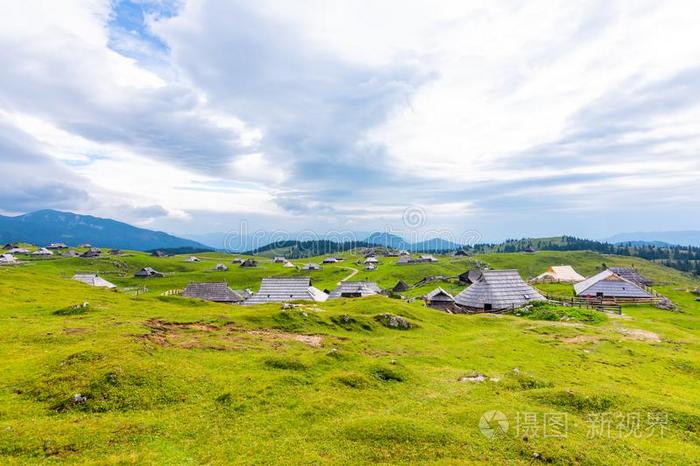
545,311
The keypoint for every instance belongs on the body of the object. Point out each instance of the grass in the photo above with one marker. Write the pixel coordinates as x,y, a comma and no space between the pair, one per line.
167,380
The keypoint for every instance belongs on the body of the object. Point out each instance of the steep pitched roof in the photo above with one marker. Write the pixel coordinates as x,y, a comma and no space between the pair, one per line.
561,273
499,289
353,289
438,295
286,289
632,275
93,280
609,284
42,252
148,272
7,259
218,292
400,286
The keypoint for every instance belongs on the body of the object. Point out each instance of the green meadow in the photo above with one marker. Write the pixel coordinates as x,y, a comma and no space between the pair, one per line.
92,376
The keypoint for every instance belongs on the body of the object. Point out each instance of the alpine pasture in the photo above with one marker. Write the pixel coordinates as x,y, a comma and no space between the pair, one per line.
141,375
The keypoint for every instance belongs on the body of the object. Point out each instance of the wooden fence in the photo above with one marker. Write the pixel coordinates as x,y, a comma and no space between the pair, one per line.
598,305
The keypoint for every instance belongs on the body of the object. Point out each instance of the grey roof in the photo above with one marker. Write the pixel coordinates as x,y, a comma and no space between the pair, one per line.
42,252
438,295
7,259
249,263
632,275
93,279
470,276
148,272
400,286
501,289
312,266
218,292
610,285
353,289
221,267
274,290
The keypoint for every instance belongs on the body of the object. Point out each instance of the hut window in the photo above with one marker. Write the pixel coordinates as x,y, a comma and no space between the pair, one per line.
487,307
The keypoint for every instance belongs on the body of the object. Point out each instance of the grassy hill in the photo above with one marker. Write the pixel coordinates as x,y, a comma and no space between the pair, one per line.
169,380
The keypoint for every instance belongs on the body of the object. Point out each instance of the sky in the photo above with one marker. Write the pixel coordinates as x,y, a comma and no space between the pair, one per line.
491,119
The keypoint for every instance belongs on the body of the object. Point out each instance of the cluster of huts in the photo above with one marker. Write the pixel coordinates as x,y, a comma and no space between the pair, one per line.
11,250
498,290
407,259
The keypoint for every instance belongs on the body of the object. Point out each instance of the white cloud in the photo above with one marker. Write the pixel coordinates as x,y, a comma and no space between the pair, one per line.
346,111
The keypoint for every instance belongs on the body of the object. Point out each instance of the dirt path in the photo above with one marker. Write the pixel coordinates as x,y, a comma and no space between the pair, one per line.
352,274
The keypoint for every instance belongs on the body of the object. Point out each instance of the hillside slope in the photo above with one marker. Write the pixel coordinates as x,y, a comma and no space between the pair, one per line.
153,379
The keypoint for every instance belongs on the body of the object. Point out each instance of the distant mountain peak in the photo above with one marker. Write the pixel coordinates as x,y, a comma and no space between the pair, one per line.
47,226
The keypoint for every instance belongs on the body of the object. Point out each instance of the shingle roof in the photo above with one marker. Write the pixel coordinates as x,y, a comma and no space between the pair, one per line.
501,289
632,275
93,280
286,289
218,292
148,272
438,295
7,259
610,285
353,289
400,286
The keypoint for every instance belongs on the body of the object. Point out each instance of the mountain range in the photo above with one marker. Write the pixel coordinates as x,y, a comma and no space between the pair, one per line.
681,238
51,226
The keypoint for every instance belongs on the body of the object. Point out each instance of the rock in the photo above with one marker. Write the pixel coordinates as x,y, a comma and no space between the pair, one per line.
78,398
286,306
475,377
666,304
392,321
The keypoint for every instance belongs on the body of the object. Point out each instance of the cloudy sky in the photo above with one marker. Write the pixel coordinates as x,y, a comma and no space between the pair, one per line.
504,117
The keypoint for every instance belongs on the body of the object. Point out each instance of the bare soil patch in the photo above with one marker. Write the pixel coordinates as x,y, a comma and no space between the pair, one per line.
198,335
642,335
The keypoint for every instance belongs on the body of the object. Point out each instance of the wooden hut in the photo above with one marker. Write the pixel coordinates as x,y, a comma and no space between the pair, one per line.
7,259
497,290
148,272
93,279
609,285
355,290
274,290
632,275
470,276
218,292
439,298
249,263
220,268
400,287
